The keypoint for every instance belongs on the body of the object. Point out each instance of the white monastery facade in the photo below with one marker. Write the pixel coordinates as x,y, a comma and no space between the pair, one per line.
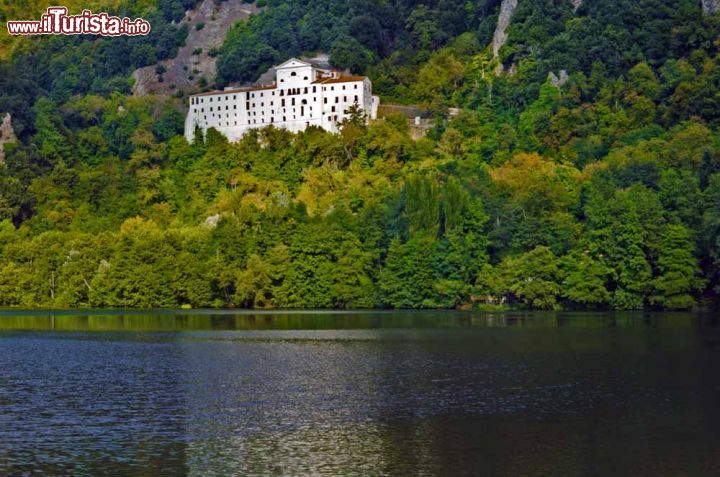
301,96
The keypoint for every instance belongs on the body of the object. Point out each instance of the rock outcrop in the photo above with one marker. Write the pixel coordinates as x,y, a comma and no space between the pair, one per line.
207,26
576,4
710,6
560,79
7,134
506,10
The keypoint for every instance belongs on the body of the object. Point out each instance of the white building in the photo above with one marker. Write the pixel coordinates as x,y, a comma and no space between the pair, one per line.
301,96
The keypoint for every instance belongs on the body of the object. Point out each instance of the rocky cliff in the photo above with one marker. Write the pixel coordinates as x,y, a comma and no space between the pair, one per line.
711,6
506,10
207,24
7,134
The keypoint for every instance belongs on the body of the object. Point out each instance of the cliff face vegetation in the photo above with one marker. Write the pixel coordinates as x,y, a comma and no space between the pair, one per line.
585,175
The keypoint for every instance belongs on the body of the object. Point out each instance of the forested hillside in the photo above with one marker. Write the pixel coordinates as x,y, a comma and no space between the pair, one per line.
582,171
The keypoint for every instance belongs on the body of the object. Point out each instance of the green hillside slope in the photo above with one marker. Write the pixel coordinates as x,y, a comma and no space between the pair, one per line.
582,171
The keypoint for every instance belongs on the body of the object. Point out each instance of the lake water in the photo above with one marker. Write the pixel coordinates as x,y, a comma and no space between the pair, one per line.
364,394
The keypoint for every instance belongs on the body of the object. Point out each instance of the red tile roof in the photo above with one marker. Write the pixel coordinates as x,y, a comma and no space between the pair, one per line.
342,79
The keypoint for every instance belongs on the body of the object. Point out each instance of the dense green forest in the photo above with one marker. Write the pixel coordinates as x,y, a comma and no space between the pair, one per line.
598,190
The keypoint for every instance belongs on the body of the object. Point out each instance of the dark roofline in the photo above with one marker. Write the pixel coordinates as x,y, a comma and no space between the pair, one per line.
233,91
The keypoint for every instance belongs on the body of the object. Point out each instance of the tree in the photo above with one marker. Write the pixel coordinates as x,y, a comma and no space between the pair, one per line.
623,230
422,205
534,278
678,272
169,124
438,80
347,53
536,184
253,287
407,280
585,279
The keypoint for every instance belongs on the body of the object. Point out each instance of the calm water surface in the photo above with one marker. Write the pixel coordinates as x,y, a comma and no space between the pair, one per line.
362,394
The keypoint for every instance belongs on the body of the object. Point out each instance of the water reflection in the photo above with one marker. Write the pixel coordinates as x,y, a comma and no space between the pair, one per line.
359,394
174,320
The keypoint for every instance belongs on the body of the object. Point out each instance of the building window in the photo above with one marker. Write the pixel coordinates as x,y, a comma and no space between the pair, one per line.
325,100
314,89
356,98
293,73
